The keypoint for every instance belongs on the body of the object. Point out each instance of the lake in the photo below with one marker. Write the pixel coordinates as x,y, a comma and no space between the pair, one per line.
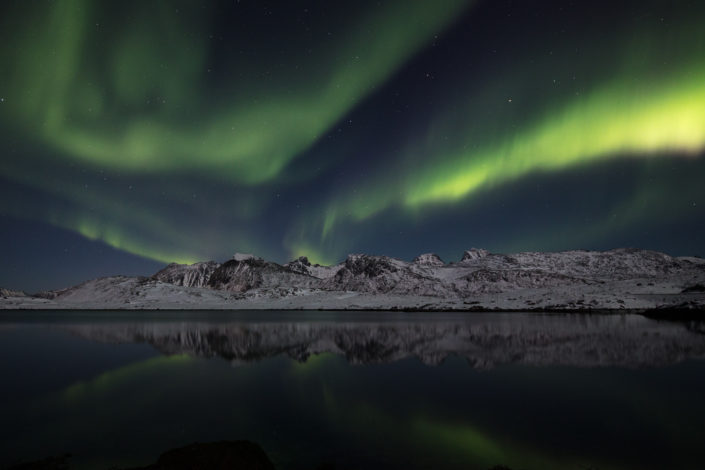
358,390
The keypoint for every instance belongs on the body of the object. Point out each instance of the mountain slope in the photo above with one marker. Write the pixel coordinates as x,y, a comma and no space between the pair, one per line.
570,280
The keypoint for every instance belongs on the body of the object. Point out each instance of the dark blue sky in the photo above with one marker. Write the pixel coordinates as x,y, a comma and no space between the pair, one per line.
134,134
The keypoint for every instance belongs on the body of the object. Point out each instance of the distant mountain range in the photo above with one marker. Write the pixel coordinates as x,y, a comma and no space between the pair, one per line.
569,280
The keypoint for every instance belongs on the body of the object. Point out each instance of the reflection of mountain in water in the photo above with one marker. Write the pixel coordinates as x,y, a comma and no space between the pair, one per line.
485,341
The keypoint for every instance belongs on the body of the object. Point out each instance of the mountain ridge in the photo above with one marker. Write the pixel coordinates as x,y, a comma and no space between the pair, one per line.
623,278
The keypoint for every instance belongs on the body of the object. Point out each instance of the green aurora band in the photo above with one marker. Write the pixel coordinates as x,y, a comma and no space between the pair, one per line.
619,120
63,97
116,97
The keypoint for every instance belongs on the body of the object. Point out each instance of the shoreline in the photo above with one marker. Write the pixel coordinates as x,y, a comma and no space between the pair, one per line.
655,313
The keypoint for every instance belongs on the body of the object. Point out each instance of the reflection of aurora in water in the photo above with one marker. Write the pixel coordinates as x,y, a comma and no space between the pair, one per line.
115,401
355,128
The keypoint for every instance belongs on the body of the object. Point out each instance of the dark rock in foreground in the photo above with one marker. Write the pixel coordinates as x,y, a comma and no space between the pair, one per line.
49,463
223,455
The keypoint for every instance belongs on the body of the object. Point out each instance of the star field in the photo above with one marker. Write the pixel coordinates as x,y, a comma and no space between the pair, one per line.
185,131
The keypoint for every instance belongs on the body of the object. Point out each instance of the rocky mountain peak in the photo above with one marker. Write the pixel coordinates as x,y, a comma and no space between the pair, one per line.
303,260
189,275
369,266
245,257
474,253
429,259
299,265
252,273
11,293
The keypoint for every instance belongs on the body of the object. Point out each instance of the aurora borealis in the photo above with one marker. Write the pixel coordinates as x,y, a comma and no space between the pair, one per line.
185,131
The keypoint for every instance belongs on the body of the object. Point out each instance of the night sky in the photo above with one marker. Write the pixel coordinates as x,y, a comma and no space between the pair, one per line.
137,133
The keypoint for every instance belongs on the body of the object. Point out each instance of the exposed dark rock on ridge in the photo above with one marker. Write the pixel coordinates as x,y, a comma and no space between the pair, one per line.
194,275
473,254
429,259
253,273
568,280
300,265
12,293
381,274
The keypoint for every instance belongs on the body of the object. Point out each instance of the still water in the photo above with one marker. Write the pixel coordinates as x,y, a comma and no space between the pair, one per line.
358,390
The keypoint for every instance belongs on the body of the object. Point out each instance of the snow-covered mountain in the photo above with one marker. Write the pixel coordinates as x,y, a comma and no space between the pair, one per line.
191,275
573,280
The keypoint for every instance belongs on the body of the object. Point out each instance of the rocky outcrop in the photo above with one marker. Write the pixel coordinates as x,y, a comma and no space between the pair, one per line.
300,265
254,273
240,274
383,275
221,455
473,254
12,293
495,281
429,259
623,263
189,275
245,257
